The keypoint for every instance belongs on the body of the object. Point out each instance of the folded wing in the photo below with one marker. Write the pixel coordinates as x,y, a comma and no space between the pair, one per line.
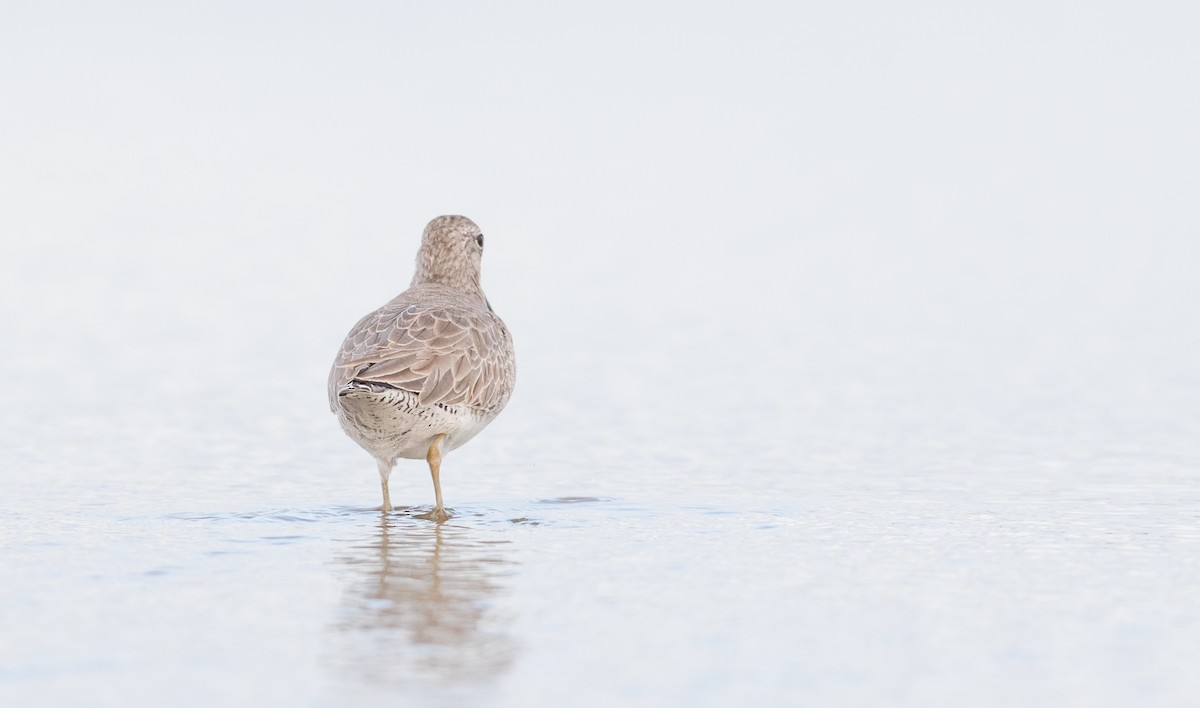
443,354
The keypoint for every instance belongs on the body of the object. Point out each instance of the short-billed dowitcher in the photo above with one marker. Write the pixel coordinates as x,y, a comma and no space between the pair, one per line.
426,372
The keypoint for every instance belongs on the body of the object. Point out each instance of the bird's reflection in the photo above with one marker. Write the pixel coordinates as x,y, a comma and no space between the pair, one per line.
420,606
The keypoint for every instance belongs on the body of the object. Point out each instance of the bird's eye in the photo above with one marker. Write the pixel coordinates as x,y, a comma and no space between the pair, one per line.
479,240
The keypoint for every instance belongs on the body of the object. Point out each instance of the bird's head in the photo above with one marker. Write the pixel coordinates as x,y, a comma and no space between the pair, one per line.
451,251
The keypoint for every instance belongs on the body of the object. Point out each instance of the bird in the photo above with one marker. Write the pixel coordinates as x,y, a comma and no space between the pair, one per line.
426,372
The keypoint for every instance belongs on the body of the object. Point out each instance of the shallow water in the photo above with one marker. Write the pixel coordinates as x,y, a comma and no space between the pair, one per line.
850,515
823,496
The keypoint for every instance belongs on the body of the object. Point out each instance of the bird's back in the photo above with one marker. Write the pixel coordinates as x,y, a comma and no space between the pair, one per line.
433,342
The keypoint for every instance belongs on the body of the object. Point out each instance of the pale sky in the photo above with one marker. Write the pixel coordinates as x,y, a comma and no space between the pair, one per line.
670,148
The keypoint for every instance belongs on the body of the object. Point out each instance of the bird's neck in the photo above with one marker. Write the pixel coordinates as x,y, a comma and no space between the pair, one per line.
462,282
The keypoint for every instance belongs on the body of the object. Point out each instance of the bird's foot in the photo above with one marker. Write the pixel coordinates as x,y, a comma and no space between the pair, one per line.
438,514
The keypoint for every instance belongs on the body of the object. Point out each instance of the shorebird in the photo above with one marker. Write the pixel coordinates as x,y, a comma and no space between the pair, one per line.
426,372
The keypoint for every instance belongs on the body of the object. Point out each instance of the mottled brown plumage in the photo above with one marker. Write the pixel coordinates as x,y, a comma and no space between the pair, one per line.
426,372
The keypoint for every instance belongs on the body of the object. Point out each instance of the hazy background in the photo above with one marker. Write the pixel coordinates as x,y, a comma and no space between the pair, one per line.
763,255
1020,177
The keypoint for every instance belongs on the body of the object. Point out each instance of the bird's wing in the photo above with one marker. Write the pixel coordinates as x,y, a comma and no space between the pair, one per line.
443,354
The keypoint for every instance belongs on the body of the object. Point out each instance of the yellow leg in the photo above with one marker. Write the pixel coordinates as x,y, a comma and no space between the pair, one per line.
384,472
434,458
